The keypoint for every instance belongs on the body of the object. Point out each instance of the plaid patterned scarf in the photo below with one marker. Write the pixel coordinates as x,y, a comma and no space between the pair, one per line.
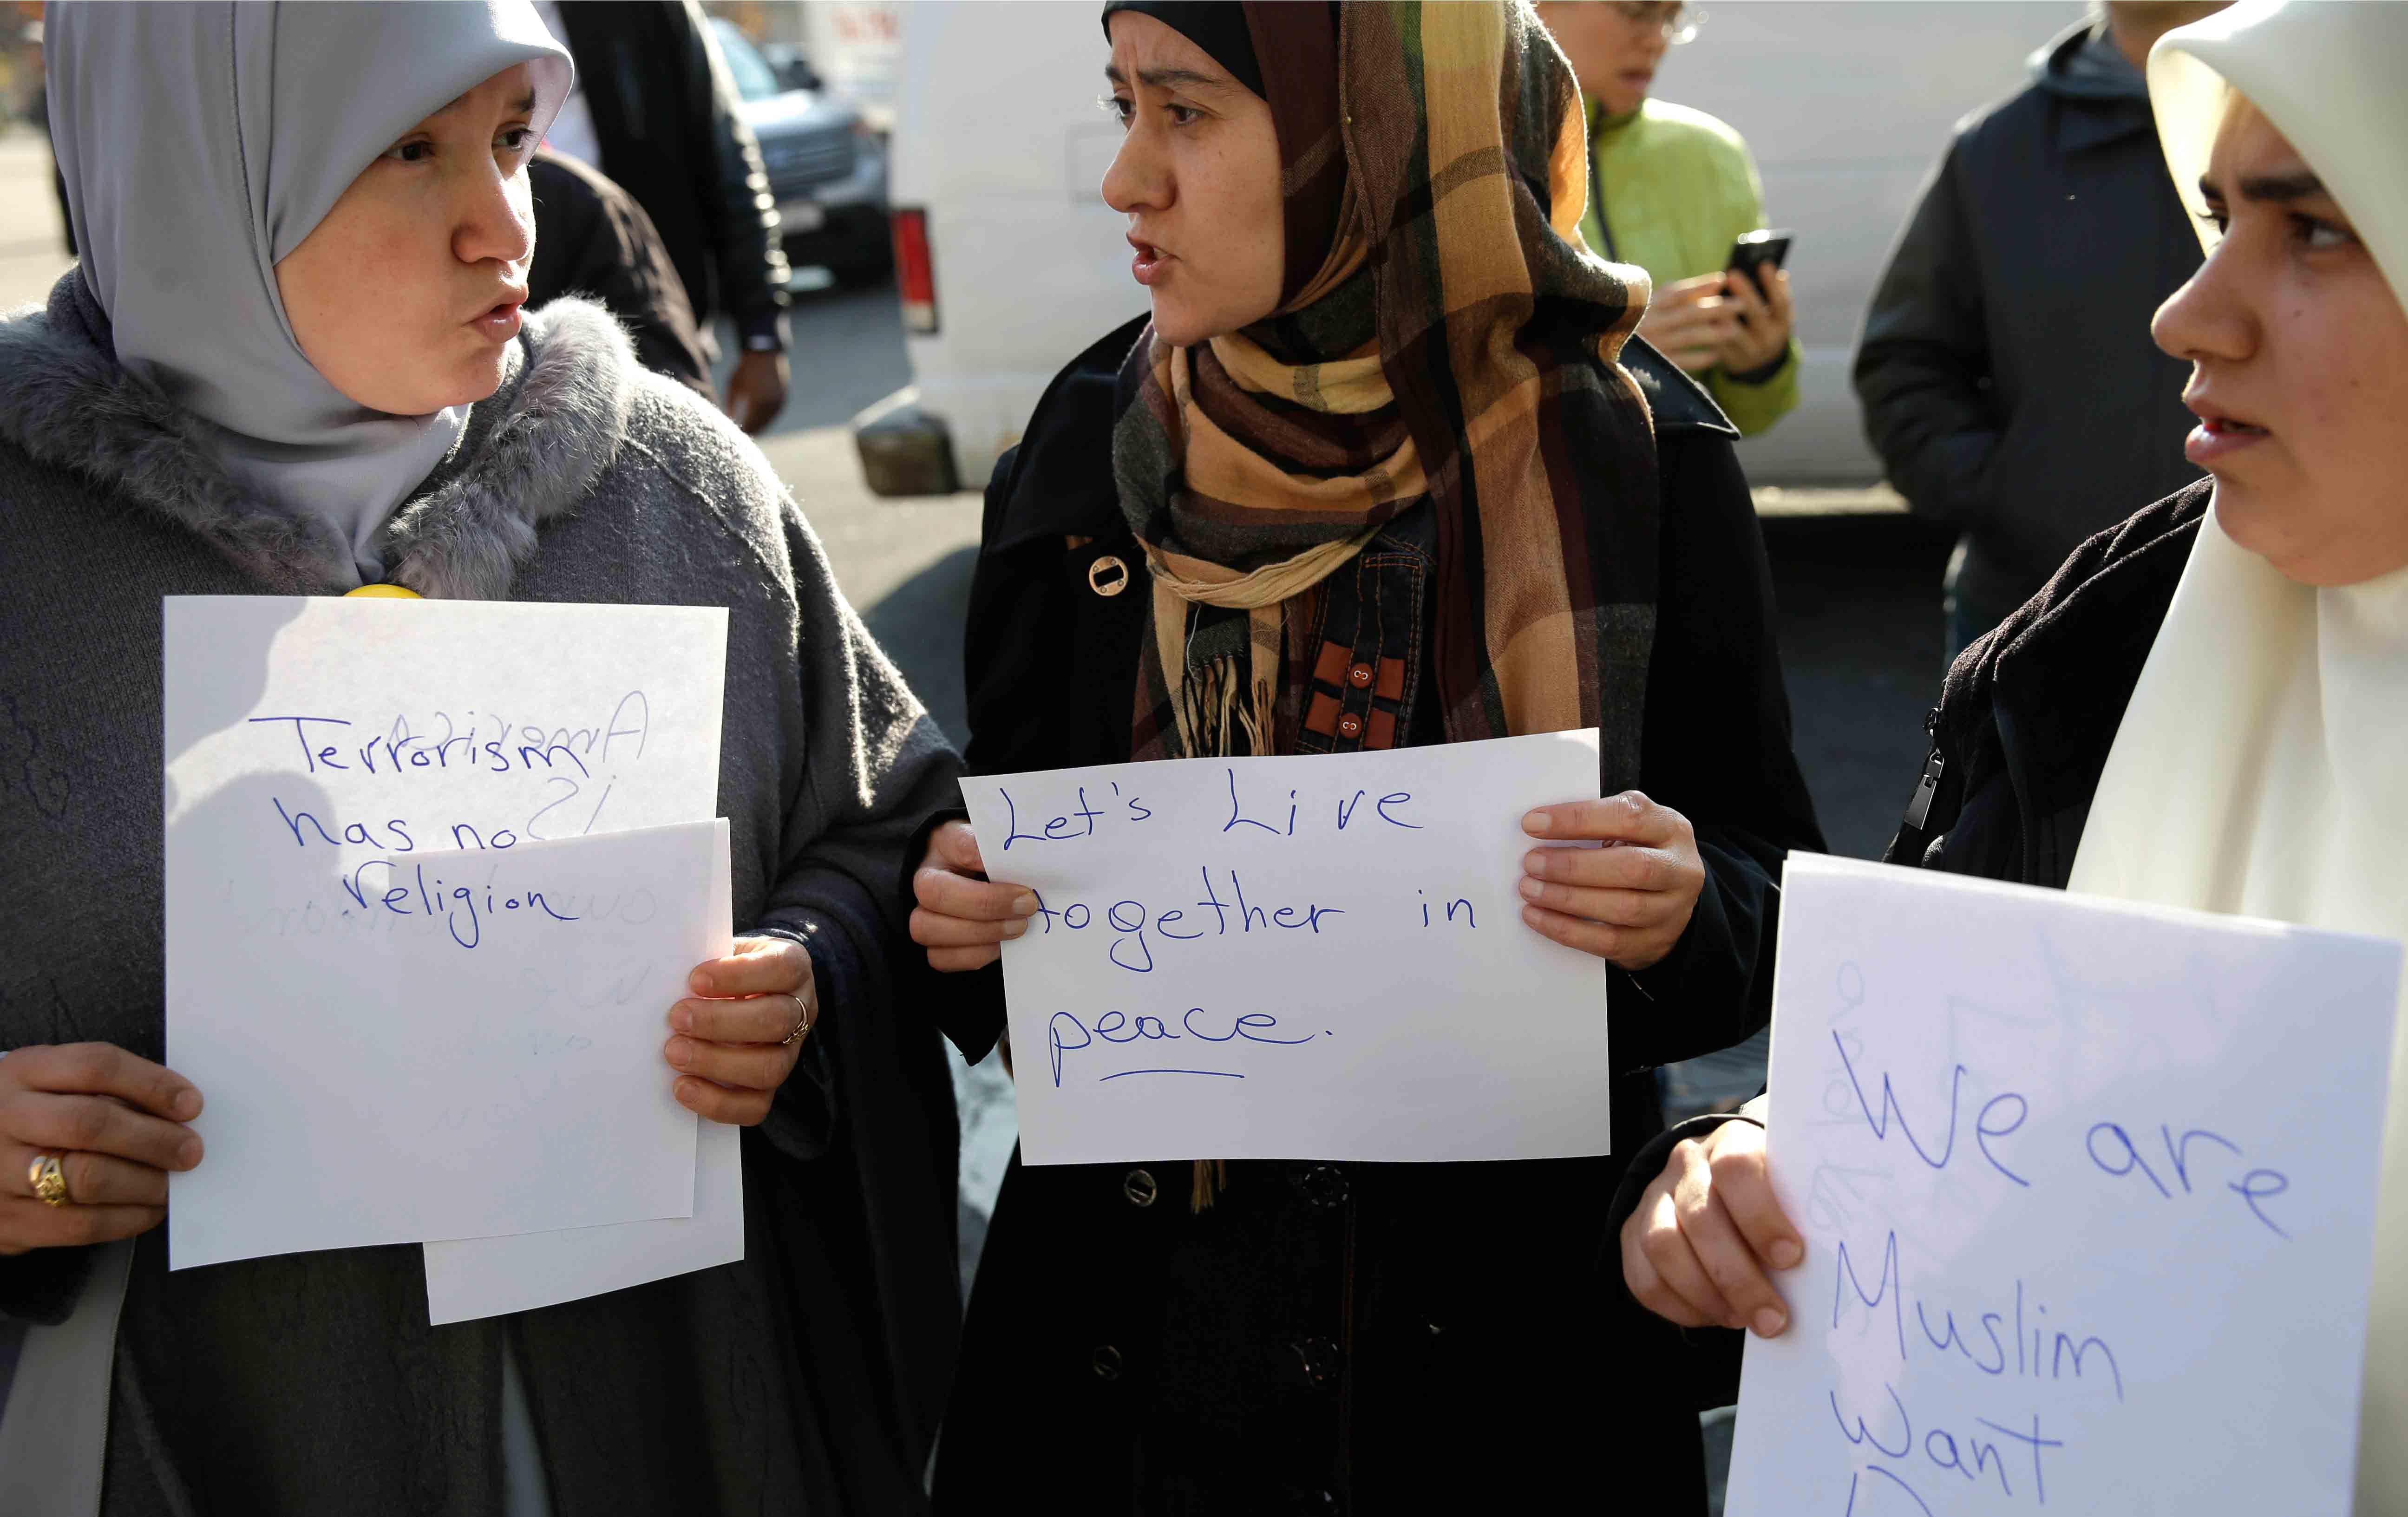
1455,343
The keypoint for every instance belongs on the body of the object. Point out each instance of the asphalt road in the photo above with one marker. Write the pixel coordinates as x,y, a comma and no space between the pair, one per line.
1861,649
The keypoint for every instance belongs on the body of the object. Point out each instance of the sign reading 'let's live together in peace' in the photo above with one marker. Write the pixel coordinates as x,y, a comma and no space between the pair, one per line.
1313,957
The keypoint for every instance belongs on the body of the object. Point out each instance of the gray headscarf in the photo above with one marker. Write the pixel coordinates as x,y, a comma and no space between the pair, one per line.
201,142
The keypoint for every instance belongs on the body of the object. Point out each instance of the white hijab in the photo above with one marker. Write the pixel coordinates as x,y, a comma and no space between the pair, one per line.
2262,765
200,144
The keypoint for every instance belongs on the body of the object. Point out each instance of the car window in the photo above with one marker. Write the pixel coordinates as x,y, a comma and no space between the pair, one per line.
752,77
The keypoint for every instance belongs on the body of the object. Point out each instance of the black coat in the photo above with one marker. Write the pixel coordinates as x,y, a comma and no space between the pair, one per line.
2022,731
2007,351
666,119
1382,1338
592,239
2028,715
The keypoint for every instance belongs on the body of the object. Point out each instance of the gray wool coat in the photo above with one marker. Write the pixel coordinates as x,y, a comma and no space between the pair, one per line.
806,1378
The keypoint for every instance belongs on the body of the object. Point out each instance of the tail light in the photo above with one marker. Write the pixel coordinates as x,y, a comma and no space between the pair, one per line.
916,273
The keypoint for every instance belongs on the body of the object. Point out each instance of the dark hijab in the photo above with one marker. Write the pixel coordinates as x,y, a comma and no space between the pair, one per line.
1301,39
1454,344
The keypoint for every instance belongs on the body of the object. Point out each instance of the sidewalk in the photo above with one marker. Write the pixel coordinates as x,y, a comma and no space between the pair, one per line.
32,246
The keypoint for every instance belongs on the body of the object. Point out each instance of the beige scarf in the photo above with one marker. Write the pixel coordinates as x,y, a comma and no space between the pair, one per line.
1219,708
2263,769
2258,768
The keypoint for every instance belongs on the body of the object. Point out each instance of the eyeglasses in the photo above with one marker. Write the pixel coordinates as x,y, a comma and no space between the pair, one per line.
1676,21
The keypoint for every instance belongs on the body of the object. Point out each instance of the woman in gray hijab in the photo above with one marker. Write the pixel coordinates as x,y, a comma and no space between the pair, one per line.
293,361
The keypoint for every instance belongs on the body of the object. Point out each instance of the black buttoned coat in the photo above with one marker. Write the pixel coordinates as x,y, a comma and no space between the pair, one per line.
1366,1337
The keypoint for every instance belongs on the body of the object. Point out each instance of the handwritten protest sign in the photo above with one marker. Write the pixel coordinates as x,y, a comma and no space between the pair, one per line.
337,962
482,1277
2088,1197
482,1055
1308,957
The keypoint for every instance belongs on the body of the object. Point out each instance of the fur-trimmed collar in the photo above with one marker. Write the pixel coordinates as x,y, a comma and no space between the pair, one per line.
529,454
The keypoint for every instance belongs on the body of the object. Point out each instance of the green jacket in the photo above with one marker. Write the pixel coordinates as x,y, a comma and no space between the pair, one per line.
1678,187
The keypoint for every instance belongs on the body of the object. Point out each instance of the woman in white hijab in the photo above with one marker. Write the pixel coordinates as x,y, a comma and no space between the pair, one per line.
2246,642
293,361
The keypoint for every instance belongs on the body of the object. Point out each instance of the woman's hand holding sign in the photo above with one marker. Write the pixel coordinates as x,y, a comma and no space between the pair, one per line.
737,1037
963,918
1698,1248
112,1122
1628,902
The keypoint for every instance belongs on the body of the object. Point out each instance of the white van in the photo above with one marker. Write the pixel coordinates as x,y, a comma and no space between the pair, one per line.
1010,263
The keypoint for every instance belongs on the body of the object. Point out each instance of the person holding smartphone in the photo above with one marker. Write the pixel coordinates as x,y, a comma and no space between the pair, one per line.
1674,190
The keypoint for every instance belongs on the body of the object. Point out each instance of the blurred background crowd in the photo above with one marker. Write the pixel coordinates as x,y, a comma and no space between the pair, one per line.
872,231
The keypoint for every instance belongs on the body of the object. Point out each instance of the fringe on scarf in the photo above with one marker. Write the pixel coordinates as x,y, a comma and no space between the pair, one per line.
1219,704
1216,706
1211,1179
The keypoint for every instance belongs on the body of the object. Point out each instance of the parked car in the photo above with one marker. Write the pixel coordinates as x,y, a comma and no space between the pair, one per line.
792,65
1010,261
826,167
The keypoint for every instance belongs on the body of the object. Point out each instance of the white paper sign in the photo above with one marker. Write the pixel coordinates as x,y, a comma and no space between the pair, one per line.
326,759
1305,957
475,1051
482,1277
2088,1197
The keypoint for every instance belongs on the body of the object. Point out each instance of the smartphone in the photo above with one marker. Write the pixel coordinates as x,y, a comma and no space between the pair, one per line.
1754,252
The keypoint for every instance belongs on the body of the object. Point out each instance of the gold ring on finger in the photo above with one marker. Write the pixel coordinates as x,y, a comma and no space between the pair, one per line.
802,1022
48,1176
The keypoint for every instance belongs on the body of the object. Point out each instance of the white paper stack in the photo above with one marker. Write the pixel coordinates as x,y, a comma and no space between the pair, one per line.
435,872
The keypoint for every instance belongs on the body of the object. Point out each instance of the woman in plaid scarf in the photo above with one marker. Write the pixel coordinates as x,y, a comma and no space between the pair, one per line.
1384,469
